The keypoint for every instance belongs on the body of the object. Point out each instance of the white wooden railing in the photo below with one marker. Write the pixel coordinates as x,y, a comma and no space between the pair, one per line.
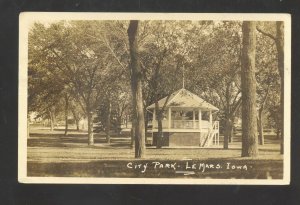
213,135
182,124
185,124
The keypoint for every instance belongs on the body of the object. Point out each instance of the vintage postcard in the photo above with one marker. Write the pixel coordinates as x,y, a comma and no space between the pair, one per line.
154,98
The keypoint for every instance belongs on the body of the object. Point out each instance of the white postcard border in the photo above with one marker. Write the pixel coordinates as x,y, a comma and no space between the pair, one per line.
26,20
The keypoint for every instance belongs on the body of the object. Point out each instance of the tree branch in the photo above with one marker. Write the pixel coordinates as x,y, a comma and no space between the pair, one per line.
265,33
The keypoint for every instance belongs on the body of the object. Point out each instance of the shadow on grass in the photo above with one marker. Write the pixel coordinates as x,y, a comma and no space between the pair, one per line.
60,140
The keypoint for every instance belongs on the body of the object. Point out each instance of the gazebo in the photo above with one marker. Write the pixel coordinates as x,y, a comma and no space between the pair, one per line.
187,121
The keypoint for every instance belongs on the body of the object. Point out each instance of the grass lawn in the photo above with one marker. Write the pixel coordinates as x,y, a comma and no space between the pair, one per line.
53,154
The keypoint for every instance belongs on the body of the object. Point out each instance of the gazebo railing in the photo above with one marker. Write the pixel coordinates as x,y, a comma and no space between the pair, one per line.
183,124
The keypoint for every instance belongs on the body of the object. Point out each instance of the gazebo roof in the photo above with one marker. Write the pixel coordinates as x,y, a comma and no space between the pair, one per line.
185,99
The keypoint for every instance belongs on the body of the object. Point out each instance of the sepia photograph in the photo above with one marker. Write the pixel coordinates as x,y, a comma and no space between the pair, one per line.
154,98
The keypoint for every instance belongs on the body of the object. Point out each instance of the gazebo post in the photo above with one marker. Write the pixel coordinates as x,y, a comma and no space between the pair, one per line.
194,122
210,121
200,119
169,118
154,119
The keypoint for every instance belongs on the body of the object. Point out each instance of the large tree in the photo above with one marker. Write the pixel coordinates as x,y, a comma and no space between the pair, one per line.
267,78
164,50
76,111
280,50
215,71
112,107
74,60
279,42
45,91
136,86
249,113
228,85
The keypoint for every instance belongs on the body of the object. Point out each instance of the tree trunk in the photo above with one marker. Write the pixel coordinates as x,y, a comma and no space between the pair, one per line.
226,133
140,132
133,126
261,138
119,125
51,121
260,122
28,127
249,114
66,114
159,125
107,128
136,86
230,136
90,127
54,120
279,41
76,118
231,131
282,116
77,125
280,50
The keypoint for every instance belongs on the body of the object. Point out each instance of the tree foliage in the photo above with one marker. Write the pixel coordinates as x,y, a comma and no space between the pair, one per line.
100,64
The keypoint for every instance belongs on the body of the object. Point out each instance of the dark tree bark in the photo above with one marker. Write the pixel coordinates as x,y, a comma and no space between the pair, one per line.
249,114
260,122
51,119
51,123
226,135
133,125
230,109
231,131
159,116
66,113
228,132
28,126
77,125
159,126
280,49
90,127
76,118
228,123
107,127
136,86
